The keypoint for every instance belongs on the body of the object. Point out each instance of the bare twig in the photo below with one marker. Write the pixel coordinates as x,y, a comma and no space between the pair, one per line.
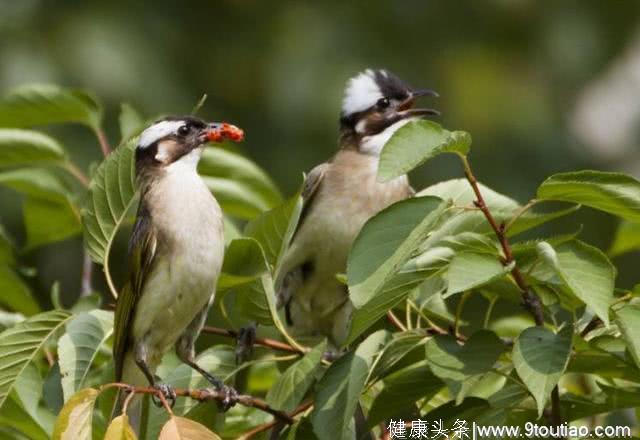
265,342
204,395
87,271
530,300
266,426
76,172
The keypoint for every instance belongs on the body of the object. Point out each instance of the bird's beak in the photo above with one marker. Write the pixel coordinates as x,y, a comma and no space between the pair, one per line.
407,110
220,131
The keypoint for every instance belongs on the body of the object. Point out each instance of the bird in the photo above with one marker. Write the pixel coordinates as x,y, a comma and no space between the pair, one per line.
339,196
175,253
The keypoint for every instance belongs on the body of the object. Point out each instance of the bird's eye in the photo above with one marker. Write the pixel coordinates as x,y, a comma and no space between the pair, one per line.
183,130
383,103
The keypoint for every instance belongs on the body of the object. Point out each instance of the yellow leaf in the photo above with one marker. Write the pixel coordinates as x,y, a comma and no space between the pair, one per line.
74,420
119,429
180,428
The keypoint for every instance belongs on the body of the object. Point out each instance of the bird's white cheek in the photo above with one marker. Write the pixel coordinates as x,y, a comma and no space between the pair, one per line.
374,144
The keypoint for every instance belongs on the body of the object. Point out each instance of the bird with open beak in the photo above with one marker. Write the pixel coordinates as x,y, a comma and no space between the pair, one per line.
175,252
339,196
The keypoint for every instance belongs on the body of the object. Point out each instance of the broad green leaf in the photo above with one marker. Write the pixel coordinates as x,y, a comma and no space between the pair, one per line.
35,182
180,428
41,104
593,360
385,243
16,295
468,270
402,390
48,221
462,366
627,239
130,121
417,142
540,358
586,271
275,228
338,392
74,420
251,302
401,344
78,347
610,399
20,344
14,416
219,360
244,262
111,195
7,254
628,320
120,429
26,147
291,387
242,188
615,193
28,391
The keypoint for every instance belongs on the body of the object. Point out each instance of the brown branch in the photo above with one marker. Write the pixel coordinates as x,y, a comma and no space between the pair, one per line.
204,395
266,426
530,300
393,319
104,143
265,342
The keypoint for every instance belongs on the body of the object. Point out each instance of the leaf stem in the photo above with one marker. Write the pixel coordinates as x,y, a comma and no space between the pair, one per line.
102,139
393,319
265,342
519,214
76,172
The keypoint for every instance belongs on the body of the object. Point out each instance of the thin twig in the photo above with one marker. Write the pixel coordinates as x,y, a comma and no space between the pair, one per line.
76,172
203,395
519,214
393,319
104,143
265,342
87,271
530,300
266,426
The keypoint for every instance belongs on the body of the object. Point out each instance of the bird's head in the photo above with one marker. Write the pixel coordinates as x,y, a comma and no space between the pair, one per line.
376,103
179,140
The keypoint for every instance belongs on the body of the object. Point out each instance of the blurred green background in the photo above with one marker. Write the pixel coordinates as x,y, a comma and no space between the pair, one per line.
543,87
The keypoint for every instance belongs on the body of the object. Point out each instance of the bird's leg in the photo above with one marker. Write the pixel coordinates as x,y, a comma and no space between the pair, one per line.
155,382
230,394
244,342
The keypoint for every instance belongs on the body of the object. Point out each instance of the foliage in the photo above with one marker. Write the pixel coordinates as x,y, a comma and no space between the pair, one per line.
448,268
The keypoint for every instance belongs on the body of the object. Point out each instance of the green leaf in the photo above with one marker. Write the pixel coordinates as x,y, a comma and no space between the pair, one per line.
41,104
15,417
26,147
339,389
275,228
586,271
627,239
384,244
402,390
244,262
291,387
77,349
541,357
401,344
111,195
130,121
19,345
241,187
462,366
468,270
47,221
615,193
628,320
16,295
417,142
180,428
74,420
120,429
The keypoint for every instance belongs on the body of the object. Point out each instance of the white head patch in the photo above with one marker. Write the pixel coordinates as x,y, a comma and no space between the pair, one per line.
157,132
361,92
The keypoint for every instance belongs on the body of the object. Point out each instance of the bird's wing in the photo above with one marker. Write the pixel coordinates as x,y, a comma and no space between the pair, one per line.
312,183
142,250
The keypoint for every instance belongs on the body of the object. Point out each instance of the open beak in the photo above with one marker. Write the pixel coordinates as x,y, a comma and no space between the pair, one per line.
407,110
220,131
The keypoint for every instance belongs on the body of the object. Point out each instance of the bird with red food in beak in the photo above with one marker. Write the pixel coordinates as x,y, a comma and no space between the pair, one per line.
339,196
175,252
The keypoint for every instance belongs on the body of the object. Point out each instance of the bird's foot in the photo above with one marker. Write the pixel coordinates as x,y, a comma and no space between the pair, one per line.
331,355
244,343
167,392
229,397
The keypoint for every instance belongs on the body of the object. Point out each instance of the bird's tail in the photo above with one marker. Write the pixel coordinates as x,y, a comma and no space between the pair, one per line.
132,375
